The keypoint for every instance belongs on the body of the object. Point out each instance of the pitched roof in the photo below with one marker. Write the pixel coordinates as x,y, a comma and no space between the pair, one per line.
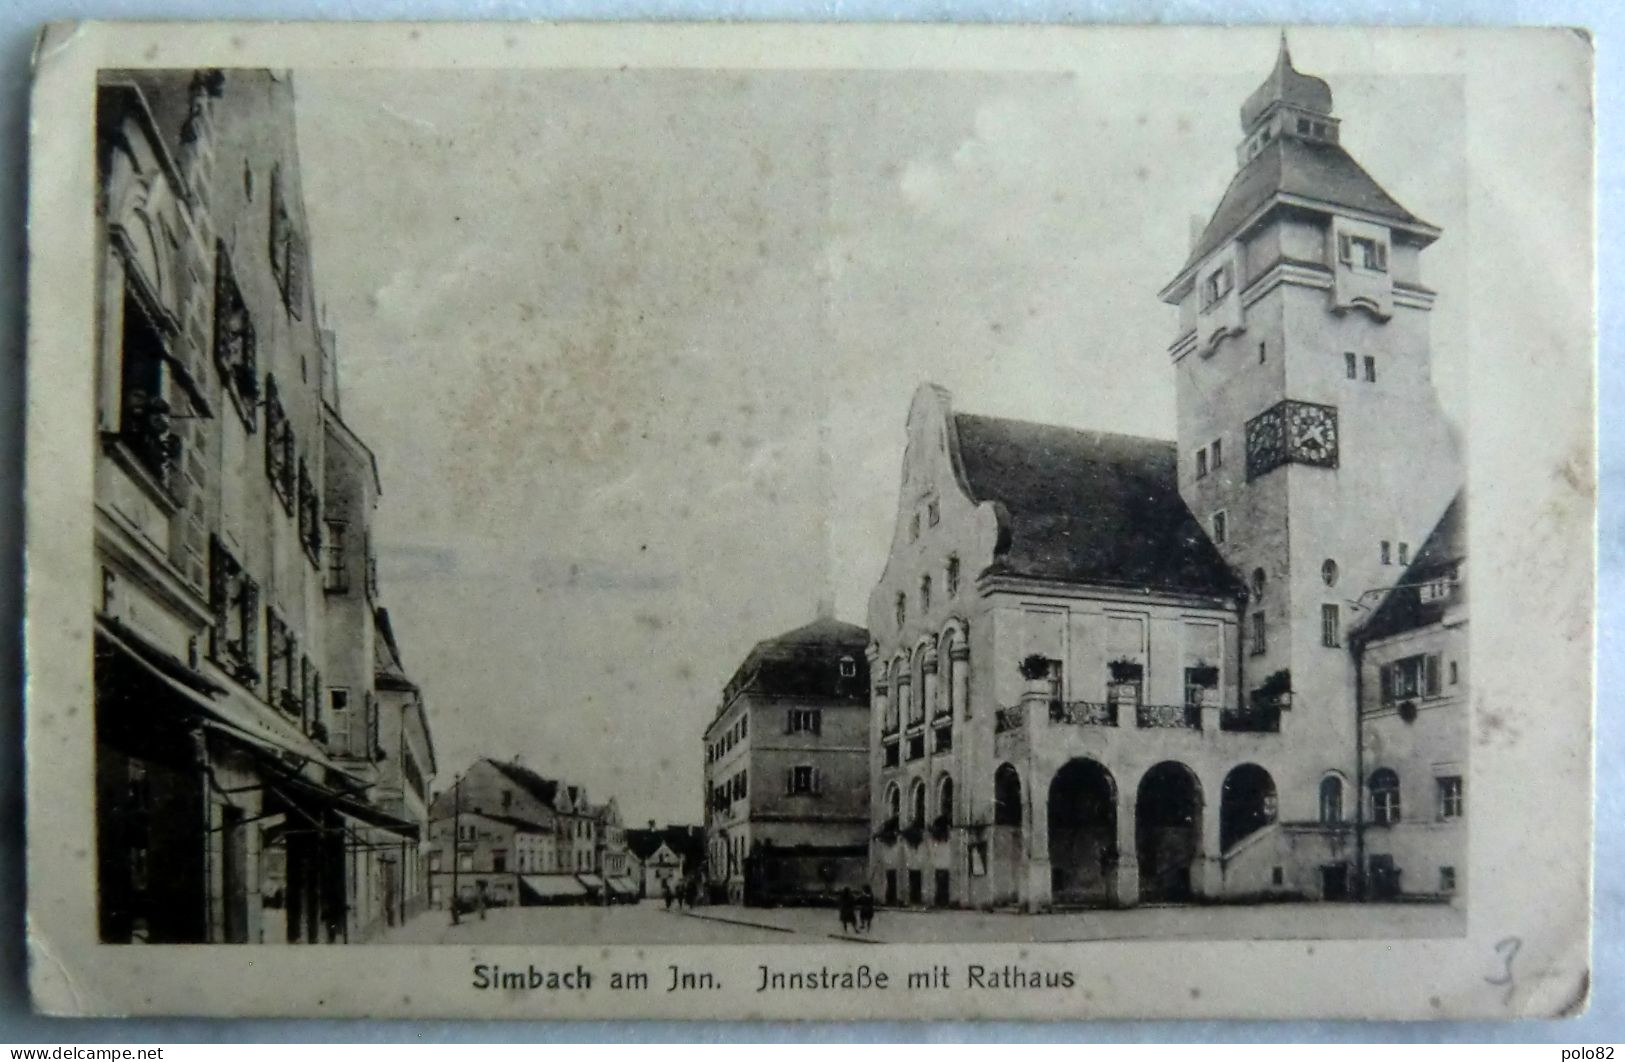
685,841
386,654
805,662
1306,169
1086,506
543,789
1403,609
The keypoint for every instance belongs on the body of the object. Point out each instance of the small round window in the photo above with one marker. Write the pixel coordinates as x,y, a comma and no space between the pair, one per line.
1258,582
1328,572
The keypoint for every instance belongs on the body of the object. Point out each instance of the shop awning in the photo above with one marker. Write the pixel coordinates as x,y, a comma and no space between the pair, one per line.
551,886
592,881
229,709
621,886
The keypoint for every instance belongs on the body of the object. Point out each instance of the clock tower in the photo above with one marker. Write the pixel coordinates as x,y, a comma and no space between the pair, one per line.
1311,441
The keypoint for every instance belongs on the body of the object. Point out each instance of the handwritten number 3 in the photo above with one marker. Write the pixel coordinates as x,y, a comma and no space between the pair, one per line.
1508,950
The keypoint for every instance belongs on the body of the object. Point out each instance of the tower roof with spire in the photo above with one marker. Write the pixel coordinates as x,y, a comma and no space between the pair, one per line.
1285,85
1290,169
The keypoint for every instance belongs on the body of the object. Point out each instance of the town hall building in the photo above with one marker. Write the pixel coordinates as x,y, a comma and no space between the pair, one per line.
1108,669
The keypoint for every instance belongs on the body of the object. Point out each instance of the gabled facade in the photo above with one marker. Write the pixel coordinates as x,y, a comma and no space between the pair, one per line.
1109,669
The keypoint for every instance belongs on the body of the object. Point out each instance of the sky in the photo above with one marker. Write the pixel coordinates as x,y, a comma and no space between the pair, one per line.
635,347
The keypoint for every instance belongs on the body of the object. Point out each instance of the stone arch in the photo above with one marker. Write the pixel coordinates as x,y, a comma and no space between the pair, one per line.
1332,797
1082,832
917,804
945,798
894,802
1007,796
953,667
1247,803
1167,831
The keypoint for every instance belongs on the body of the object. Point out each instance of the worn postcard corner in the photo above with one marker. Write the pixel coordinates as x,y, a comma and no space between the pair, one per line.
810,522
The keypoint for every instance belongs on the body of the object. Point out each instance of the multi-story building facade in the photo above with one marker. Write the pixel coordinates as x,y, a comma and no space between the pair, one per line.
1412,655
224,811
665,861
1110,669
503,829
786,769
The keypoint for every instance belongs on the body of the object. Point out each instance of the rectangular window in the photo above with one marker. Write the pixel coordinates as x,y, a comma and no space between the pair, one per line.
1454,674
892,754
933,512
144,414
925,593
1430,675
1259,644
1363,252
1331,627
1220,528
953,576
804,721
1386,559
803,780
1261,352
336,577
1370,369
499,860
1201,463
914,527
1218,453
234,346
1404,553
1447,879
1351,365
1451,796
1217,285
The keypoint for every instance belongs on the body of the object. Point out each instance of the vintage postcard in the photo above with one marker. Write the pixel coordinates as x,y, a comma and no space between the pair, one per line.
810,521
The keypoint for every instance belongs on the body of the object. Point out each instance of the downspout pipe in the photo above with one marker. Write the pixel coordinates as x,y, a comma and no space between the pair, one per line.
1357,648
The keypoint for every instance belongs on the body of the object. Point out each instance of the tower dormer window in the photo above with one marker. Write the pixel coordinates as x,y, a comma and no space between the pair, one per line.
1362,252
1217,285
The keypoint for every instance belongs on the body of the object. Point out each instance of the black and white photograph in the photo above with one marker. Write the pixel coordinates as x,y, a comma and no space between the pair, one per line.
807,502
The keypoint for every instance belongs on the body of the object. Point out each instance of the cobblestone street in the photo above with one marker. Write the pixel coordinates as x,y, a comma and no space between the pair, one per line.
650,923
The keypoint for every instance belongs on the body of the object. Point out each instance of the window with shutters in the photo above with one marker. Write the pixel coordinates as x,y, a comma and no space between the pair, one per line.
1362,252
286,246
234,599
280,461
803,780
1411,677
234,345
310,516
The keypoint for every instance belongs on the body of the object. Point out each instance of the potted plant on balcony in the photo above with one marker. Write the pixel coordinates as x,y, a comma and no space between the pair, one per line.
1275,691
940,827
1204,674
1035,669
914,833
887,833
1124,669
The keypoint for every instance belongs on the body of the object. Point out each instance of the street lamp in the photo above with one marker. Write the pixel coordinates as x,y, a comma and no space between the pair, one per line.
456,839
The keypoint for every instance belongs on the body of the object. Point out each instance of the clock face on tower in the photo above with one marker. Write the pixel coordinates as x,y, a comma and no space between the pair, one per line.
1290,432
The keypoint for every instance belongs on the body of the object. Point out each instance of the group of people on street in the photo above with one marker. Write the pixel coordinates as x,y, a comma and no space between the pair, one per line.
857,911
686,893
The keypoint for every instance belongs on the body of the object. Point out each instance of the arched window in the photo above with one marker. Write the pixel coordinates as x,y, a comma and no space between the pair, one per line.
1006,796
1331,799
945,800
894,803
916,804
1384,797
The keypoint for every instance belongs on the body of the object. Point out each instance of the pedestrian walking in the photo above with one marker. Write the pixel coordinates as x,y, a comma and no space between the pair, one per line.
866,909
665,892
479,901
849,917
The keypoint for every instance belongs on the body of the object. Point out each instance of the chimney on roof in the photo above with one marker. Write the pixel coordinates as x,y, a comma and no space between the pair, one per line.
651,824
